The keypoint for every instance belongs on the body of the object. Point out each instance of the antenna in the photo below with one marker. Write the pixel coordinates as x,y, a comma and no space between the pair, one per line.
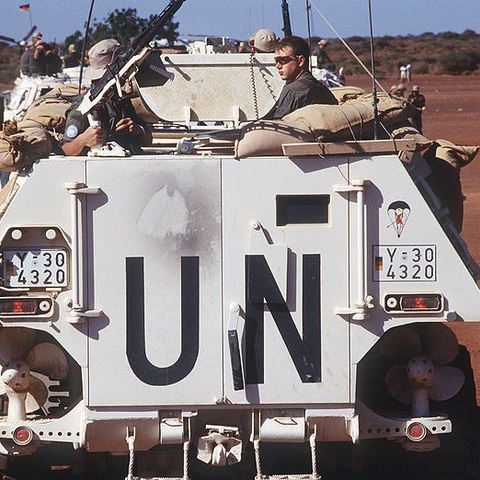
309,31
374,86
84,47
287,26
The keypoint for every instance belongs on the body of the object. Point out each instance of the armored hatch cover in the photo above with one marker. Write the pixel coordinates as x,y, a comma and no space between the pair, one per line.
212,88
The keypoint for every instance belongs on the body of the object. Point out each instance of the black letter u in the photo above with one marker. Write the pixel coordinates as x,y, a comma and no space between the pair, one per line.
136,347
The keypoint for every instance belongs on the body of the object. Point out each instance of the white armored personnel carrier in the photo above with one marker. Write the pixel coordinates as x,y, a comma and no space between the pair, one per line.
248,303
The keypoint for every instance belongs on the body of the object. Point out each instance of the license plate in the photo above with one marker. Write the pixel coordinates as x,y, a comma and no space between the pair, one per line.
41,267
404,263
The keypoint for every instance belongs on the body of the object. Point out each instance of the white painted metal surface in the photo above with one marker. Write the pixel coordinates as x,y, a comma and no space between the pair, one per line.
220,291
248,86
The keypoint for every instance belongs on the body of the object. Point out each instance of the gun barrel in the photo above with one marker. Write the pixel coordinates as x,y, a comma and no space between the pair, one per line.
103,86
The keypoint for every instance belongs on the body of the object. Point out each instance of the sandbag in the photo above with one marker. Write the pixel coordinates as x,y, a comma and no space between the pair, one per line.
445,159
21,149
266,137
408,132
456,155
353,119
349,92
34,137
50,109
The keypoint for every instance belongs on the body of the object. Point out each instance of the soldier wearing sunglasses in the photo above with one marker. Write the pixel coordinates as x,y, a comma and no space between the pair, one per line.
292,59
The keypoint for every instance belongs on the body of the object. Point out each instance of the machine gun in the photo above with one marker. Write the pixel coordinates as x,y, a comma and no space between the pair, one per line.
126,62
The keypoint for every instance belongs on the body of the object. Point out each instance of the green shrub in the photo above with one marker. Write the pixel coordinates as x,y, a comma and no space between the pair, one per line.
456,63
421,68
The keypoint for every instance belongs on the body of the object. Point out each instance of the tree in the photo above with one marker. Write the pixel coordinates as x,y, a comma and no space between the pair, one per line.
169,30
123,25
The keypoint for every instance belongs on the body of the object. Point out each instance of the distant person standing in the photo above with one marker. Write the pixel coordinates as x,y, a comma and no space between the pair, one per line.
72,58
323,60
53,62
393,90
25,60
403,73
418,100
408,70
38,63
400,92
37,57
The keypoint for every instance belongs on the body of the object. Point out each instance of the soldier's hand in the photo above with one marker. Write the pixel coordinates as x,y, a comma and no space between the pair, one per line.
128,126
93,136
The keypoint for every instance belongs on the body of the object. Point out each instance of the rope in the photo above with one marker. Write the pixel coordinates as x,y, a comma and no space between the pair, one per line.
256,447
313,451
186,465
362,123
131,456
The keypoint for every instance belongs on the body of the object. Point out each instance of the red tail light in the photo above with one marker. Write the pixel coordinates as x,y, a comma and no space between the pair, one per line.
413,302
19,306
22,436
416,432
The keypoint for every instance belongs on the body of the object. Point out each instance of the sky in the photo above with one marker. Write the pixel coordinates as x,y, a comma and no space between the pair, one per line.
238,19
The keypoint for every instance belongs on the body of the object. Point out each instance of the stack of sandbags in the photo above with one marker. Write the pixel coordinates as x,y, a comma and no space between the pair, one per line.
34,137
351,120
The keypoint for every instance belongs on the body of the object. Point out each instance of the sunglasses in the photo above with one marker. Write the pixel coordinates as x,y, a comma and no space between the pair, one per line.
284,60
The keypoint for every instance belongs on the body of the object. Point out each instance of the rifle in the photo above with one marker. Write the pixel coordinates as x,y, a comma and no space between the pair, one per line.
287,27
126,61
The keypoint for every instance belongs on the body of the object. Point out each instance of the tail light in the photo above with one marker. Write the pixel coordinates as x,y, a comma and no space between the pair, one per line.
21,306
413,303
22,435
416,432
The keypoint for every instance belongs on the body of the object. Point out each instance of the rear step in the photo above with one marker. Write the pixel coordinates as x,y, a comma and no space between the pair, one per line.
307,476
157,478
130,438
256,445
